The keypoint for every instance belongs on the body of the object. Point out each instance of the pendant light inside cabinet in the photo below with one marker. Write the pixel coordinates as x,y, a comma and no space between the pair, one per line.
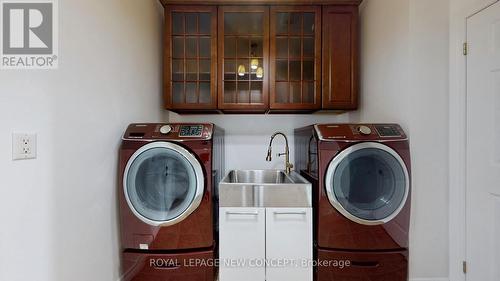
260,72
241,70
254,64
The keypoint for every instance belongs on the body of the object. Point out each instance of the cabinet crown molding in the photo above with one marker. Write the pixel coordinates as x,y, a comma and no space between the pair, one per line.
261,2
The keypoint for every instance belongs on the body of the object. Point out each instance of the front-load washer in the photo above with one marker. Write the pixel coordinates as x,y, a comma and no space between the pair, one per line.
361,179
167,199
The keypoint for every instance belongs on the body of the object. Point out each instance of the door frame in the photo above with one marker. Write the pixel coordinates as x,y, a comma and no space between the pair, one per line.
458,134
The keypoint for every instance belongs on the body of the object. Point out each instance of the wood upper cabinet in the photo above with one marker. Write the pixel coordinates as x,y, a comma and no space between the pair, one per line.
295,58
340,57
243,58
190,80
276,57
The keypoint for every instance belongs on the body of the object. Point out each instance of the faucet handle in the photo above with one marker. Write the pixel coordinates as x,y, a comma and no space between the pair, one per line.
280,154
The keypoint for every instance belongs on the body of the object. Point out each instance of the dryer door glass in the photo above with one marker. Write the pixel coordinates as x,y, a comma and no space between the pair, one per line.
161,184
369,184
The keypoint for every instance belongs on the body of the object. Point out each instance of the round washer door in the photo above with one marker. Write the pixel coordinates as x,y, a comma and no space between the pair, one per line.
368,183
163,183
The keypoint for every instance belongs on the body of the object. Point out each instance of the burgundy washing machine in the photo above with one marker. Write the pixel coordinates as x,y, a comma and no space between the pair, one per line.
168,200
361,197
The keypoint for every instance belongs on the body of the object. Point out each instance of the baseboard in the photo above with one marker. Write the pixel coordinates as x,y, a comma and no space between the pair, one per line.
430,279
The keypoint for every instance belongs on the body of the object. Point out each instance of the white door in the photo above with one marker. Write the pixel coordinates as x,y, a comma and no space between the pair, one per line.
242,244
289,245
483,146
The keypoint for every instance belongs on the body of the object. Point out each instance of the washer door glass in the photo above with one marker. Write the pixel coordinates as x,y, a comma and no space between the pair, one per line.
370,184
161,184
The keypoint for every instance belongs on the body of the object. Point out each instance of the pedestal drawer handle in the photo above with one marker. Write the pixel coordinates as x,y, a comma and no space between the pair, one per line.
291,213
243,213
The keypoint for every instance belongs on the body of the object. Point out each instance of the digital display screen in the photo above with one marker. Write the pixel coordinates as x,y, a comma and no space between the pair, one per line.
191,131
388,131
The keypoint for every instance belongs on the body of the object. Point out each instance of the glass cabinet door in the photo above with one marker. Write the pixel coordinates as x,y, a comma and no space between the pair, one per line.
295,58
243,58
191,58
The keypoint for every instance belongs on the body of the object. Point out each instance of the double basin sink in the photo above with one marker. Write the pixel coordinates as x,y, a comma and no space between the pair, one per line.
264,188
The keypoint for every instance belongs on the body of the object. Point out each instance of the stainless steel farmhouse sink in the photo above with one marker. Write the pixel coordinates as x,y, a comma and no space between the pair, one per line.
264,188
257,176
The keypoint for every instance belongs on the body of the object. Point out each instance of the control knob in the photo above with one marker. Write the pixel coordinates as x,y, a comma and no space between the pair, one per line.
165,129
364,130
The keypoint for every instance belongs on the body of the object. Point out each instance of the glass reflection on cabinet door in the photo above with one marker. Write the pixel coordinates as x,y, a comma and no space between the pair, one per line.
191,58
295,57
243,57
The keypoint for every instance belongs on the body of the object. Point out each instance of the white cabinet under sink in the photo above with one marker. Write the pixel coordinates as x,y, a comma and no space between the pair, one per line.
265,244
289,238
265,226
242,240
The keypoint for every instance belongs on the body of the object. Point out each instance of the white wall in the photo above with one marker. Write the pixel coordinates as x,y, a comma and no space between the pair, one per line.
428,121
384,62
247,136
404,79
58,212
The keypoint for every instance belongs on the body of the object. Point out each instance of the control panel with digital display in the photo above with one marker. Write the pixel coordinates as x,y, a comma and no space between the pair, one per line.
191,131
388,131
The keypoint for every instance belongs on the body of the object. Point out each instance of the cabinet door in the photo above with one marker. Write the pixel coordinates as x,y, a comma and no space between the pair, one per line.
289,237
190,58
340,57
242,244
243,58
295,58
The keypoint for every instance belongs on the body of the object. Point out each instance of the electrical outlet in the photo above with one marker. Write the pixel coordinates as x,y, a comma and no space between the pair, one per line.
23,146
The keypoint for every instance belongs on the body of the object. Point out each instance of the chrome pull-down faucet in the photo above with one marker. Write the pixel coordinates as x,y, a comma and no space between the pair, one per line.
288,165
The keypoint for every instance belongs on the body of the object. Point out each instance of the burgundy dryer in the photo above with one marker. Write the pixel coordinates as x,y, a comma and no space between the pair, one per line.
361,193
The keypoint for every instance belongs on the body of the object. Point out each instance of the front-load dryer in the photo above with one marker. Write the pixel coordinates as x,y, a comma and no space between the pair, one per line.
361,178
167,199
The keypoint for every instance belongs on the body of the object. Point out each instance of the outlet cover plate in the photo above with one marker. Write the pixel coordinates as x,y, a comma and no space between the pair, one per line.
23,146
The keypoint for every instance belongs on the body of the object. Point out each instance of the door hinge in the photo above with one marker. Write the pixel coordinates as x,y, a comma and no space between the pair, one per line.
466,48
464,267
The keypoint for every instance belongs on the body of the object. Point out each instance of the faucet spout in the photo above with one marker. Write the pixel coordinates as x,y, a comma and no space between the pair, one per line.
288,165
269,156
